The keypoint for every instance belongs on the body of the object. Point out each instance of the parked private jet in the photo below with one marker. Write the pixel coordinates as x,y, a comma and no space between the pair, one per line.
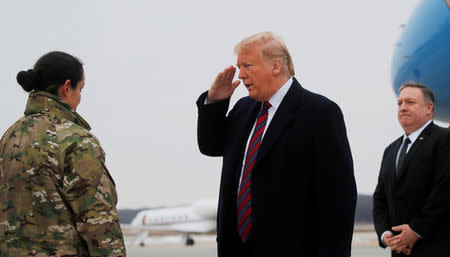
197,218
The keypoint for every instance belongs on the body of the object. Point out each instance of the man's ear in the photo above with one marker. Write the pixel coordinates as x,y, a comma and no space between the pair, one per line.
430,106
276,68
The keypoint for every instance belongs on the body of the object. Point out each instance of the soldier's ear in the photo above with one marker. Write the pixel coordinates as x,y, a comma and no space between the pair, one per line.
67,87
64,89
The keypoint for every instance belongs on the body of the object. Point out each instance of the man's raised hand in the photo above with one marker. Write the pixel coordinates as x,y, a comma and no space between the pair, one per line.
223,86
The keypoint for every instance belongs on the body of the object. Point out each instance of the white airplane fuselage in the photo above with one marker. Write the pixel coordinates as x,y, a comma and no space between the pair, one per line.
198,218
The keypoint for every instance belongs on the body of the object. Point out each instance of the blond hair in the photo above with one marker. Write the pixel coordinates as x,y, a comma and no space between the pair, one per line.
273,47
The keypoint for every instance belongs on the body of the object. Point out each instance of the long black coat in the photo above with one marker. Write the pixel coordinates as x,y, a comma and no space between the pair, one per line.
420,194
303,187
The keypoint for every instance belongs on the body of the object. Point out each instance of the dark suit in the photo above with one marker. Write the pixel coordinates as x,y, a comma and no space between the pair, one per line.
419,195
302,182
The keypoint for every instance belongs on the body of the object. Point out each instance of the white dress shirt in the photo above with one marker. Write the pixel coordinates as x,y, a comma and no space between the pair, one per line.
413,136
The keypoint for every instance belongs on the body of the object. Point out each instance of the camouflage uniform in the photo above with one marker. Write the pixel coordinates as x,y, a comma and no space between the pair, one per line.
56,196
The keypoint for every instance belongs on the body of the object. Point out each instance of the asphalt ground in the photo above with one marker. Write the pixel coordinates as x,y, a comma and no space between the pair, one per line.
364,245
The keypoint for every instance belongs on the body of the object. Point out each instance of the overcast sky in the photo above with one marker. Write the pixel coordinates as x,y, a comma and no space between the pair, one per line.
146,62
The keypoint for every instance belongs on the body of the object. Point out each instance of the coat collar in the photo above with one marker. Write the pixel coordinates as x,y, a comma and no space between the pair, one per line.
50,104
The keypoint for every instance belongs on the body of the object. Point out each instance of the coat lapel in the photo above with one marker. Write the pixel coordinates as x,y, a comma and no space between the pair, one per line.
248,120
393,161
416,146
283,116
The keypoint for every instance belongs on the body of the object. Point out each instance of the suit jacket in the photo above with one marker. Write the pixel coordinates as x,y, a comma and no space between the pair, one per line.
302,183
419,194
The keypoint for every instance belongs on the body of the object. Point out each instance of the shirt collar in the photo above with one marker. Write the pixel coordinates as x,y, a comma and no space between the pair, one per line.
413,136
276,99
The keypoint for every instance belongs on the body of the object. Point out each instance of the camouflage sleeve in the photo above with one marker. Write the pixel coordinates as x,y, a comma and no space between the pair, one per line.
90,193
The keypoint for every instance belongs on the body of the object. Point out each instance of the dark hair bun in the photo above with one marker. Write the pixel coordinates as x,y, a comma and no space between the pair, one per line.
29,80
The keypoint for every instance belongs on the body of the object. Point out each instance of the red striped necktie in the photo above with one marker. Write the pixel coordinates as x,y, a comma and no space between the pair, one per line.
244,203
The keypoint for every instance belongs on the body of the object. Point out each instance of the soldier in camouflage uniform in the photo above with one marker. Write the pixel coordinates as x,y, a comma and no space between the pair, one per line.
56,196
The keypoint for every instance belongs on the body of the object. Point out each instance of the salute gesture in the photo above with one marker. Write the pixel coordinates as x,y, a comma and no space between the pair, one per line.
223,86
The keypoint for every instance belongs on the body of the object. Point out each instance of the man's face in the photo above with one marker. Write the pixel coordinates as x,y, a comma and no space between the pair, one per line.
413,112
255,73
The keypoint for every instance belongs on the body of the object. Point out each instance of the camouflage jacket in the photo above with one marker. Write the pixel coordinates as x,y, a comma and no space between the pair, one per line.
56,196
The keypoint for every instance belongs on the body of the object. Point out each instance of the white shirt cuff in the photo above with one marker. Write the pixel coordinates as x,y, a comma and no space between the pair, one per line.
384,233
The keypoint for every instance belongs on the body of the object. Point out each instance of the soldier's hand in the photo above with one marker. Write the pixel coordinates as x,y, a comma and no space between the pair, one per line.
224,86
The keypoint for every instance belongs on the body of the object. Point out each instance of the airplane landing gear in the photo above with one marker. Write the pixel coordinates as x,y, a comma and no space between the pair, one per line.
189,241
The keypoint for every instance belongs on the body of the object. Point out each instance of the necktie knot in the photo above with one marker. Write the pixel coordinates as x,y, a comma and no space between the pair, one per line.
266,105
407,141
